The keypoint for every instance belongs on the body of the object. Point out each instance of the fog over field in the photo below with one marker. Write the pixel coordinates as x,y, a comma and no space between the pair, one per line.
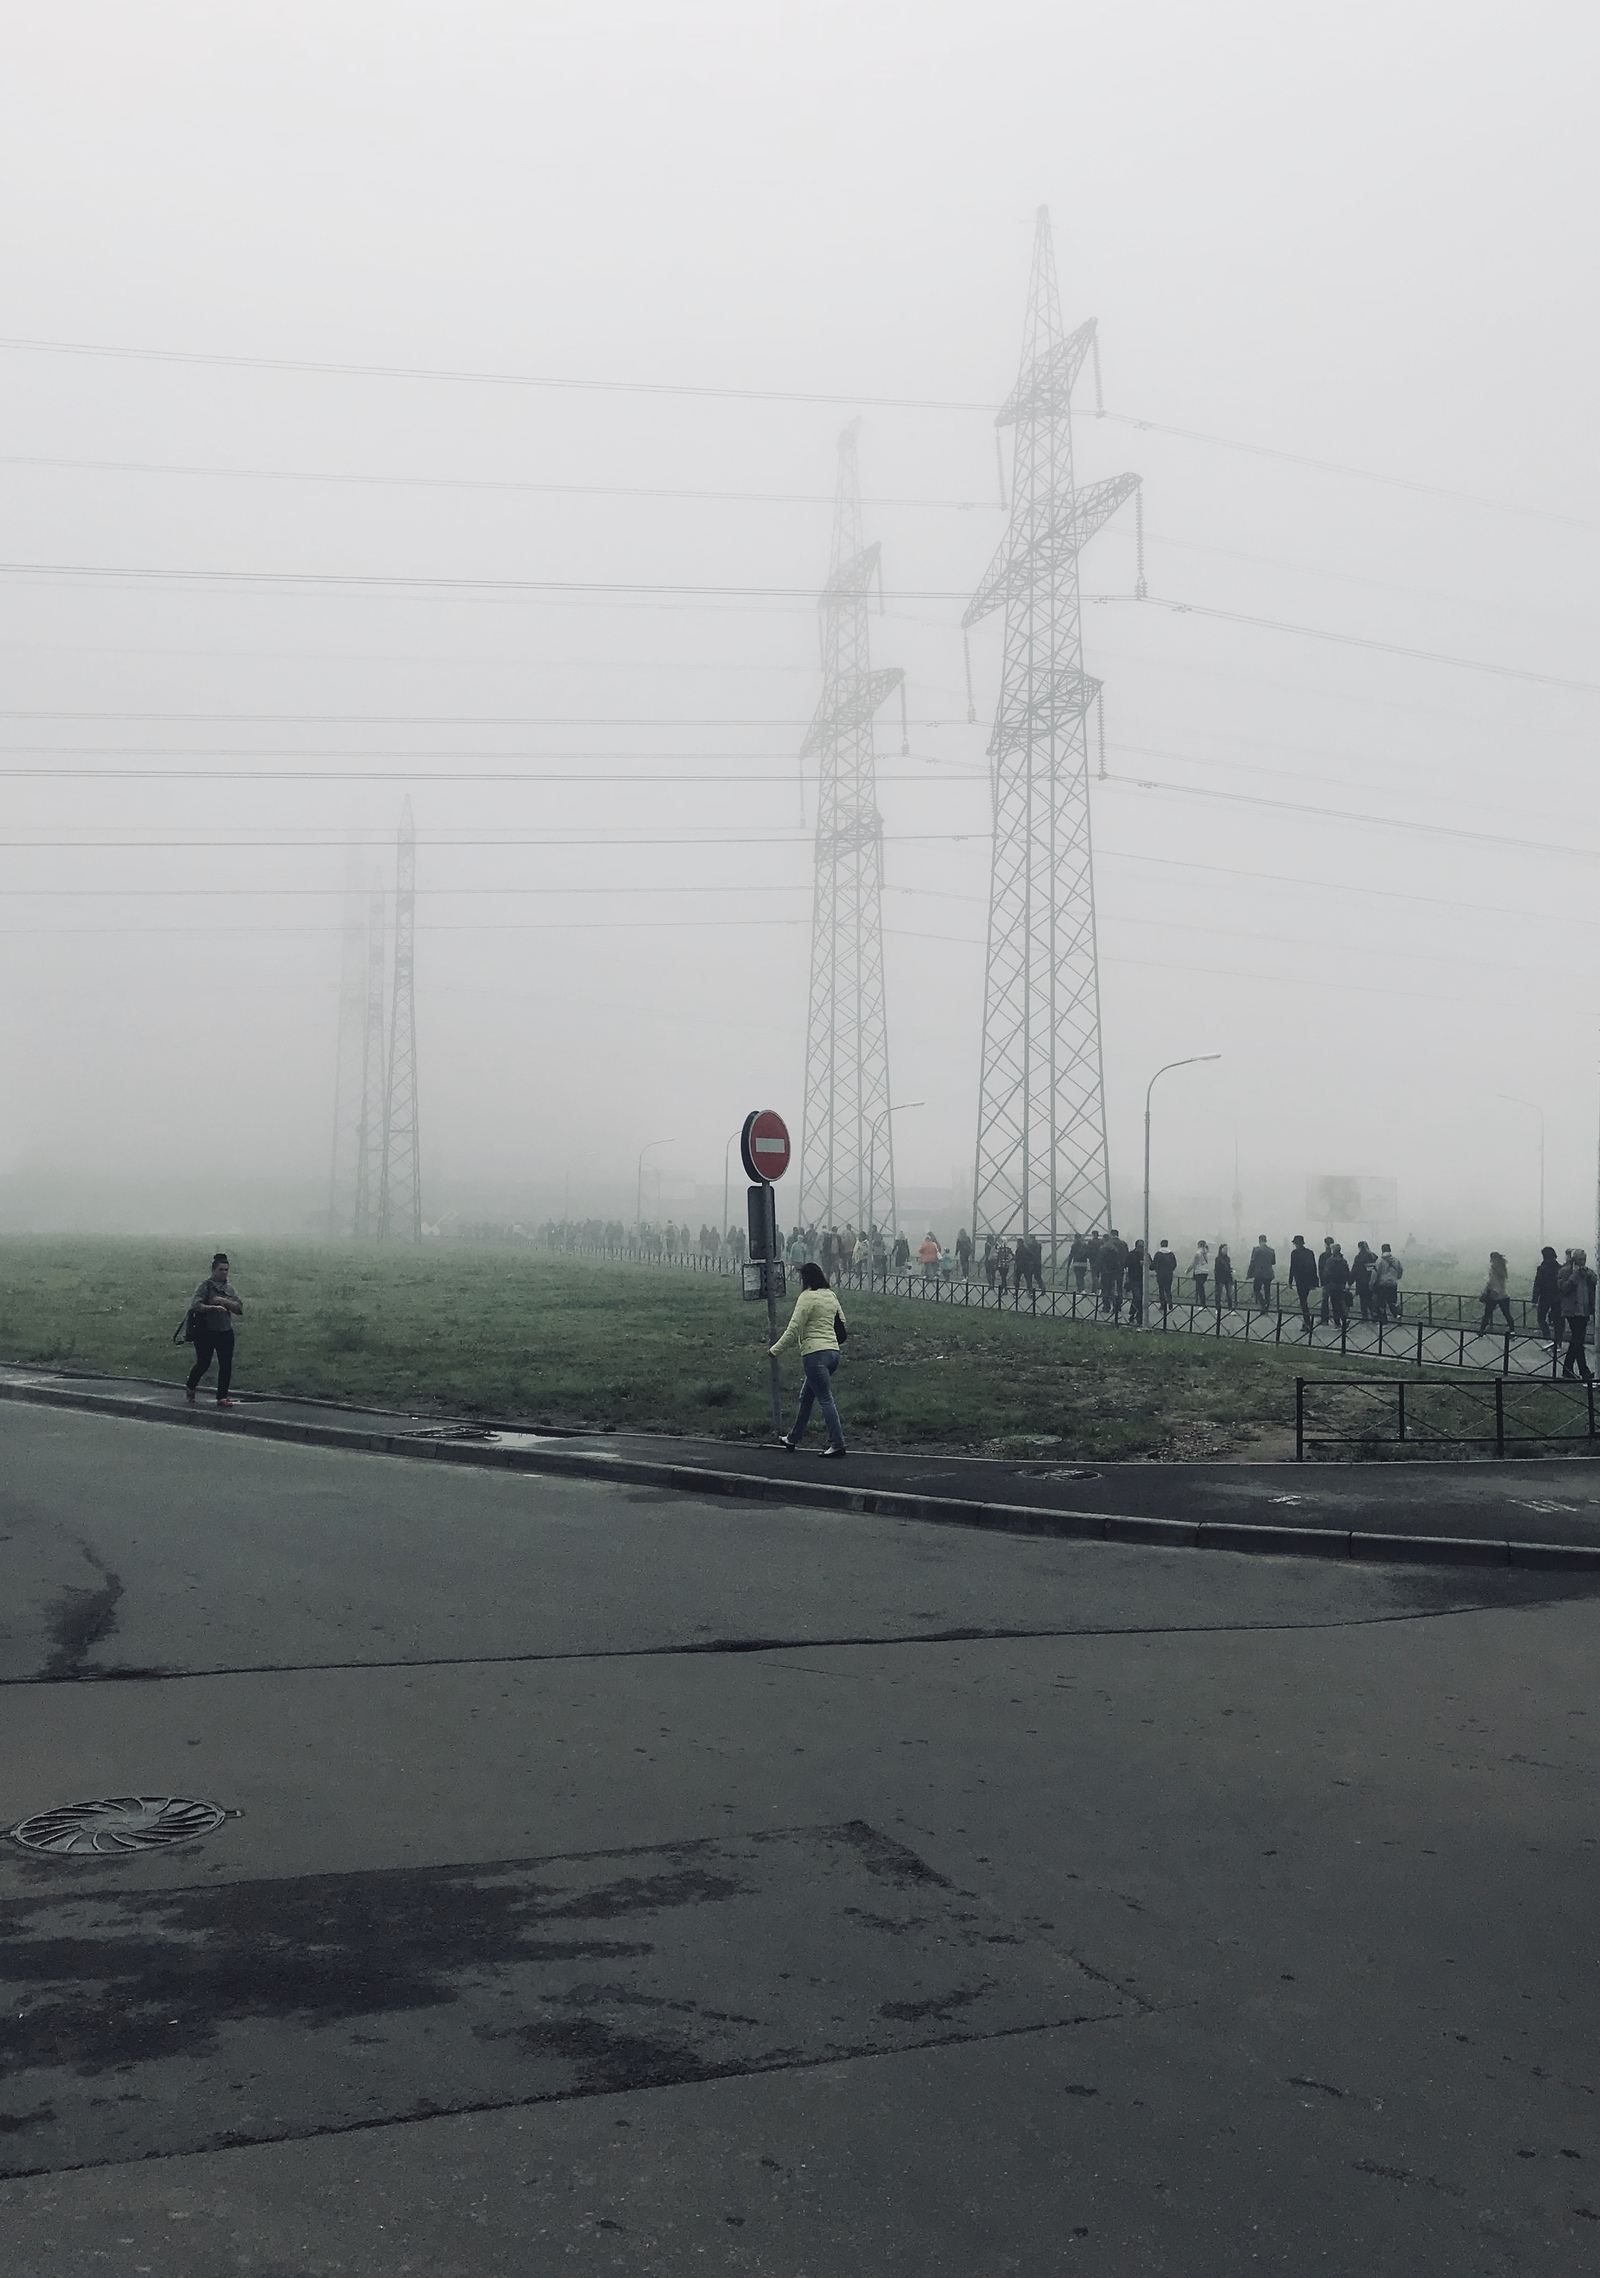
306,515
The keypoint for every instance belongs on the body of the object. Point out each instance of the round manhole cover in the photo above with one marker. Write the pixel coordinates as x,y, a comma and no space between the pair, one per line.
119,1823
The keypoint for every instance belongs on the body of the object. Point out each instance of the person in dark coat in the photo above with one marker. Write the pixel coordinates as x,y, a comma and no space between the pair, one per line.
1362,1267
1135,1282
1112,1255
1547,1293
1078,1259
212,1311
1164,1265
1577,1309
1322,1273
1091,1253
1334,1267
1222,1271
1002,1266
1303,1277
1263,1263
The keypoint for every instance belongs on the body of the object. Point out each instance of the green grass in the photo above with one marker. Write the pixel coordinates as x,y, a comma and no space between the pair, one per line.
566,1341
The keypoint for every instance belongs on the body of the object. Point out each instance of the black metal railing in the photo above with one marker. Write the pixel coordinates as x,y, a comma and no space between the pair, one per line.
1440,1414
1420,1341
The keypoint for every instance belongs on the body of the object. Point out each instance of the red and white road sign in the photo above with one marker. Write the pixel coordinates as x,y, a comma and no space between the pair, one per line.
764,1145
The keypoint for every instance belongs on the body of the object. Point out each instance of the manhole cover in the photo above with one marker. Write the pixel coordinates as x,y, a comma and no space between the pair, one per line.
119,1823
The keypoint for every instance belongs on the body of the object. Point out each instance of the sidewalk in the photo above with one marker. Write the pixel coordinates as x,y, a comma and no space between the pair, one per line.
1541,1512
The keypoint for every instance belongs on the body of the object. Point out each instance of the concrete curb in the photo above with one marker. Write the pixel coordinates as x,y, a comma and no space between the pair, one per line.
882,1502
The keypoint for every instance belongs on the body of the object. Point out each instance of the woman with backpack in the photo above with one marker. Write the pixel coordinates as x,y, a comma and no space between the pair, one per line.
817,1326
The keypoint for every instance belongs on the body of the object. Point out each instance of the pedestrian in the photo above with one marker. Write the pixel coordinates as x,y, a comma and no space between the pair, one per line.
1224,1275
1113,1256
1547,1292
929,1255
1322,1274
1495,1298
1078,1260
1362,1268
1003,1259
213,1309
1091,1253
1200,1268
1386,1284
1336,1285
902,1252
964,1254
1577,1308
1165,1267
816,1326
1302,1277
1263,1261
1135,1280
990,1248
1030,1265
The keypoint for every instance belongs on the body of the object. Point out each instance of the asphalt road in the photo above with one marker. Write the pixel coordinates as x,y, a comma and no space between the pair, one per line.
630,1883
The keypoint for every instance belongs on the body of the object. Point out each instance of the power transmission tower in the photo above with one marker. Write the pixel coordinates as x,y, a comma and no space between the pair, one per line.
1041,1162
847,1144
369,1123
347,1082
400,1195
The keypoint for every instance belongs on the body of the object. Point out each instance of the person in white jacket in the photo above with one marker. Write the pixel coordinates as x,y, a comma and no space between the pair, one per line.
1200,1267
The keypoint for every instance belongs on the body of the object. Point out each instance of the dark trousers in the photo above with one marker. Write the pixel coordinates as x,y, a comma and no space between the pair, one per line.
1135,1301
1493,1305
1263,1289
212,1345
1577,1337
1224,1292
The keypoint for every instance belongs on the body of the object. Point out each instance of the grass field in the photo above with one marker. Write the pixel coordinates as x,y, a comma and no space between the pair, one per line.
566,1341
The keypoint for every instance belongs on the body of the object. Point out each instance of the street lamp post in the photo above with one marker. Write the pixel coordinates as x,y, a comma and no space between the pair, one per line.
638,1209
899,1107
1517,1100
1193,1061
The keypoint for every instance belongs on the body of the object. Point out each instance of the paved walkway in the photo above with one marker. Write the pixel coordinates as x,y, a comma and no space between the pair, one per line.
1376,1508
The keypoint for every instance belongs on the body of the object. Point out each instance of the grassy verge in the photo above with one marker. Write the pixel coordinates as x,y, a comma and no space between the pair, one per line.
567,1341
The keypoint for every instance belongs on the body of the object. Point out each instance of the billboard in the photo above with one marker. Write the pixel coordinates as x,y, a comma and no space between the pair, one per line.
1340,1200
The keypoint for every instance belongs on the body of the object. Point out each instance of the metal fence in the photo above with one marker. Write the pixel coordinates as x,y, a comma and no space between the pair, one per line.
1433,1415
1421,1341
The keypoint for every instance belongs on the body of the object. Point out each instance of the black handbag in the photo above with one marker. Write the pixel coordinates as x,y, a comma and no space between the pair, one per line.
841,1333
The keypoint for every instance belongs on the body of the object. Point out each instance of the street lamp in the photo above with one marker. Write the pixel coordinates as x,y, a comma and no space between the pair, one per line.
900,1107
1517,1101
638,1211
1193,1061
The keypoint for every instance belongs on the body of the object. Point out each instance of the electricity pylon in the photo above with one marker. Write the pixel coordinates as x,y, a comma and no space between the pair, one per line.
847,1144
369,1123
400,1194
1041,1162
347,1082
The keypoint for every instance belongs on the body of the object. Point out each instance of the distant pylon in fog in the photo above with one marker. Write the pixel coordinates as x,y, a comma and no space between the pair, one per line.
347,1084
1041,1164
369,1124
400,1194
847,1142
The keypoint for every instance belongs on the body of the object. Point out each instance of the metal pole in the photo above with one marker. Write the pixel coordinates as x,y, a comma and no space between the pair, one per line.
1193,1061
638,1209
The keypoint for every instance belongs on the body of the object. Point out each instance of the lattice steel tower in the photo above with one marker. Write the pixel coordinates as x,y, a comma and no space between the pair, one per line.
1041,1161
369,1123
847,1143
400,1195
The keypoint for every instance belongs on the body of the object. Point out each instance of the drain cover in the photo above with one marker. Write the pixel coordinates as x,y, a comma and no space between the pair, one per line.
119,1823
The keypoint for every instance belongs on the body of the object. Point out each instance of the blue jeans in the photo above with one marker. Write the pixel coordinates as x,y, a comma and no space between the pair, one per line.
817,1392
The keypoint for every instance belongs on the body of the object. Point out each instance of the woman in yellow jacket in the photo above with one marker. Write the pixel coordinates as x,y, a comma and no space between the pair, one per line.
812,1328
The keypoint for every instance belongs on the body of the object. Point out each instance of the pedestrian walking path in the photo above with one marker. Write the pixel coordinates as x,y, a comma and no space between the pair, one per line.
1437,1332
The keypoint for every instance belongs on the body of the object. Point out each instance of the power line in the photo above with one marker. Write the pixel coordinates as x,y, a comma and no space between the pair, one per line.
330,368
1345,815
386,583
480,483
1361,641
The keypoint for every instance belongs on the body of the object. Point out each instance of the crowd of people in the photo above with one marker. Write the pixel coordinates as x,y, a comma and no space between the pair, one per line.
1324,1285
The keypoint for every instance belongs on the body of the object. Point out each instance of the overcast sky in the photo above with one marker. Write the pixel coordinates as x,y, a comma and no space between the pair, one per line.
1362,237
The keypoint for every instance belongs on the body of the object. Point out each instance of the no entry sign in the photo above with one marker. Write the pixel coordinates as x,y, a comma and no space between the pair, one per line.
764,1145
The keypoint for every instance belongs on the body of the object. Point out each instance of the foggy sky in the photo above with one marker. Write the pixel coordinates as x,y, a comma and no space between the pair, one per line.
1363,237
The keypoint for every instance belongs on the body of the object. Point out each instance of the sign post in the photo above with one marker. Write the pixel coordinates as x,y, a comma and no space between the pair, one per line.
764,1146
